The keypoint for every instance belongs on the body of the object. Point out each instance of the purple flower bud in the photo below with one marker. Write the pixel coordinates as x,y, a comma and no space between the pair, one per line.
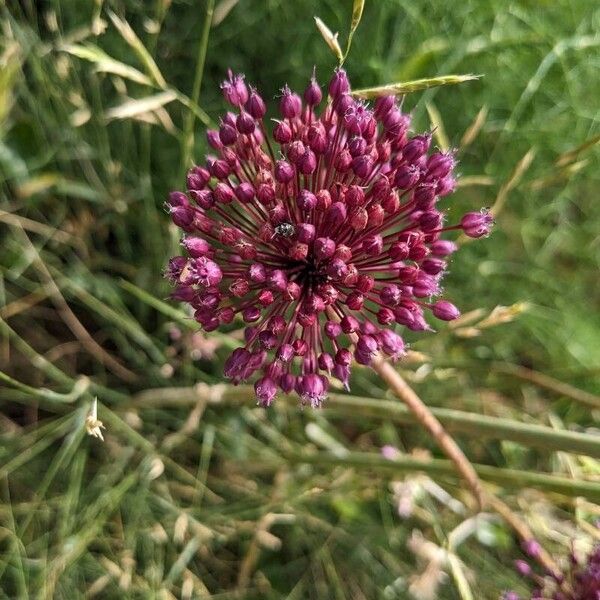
265,390
390,295
284,172
326,362
416,148
349,324
366,348
362,166
245,123
477,224
339,84
213,137
357,146
407,176
334,216
285,353
343,357
522,568
244,192
445,311
251,314
383,105
227,134
305,232
532,548
290,104
312,389
373,245
392,344
443,248
197,178
206,272
313,94
332,329
324,248
282,132
337,269
234,89
236,362
307,163
256,105
306,201
439,165
196,246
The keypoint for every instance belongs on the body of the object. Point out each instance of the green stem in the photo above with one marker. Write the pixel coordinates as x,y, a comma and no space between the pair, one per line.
188,133
512,477
470,424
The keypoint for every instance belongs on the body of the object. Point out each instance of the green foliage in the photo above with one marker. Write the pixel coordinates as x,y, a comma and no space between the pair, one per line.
101,106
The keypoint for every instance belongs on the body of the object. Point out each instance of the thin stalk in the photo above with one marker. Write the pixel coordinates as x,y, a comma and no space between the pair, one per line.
516,479
188,130
469,424
426,418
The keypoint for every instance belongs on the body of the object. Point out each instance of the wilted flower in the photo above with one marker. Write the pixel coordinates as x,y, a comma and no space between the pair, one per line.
93,426
581,581
327,236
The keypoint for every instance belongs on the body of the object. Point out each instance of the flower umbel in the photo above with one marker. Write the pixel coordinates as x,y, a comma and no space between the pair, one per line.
322,242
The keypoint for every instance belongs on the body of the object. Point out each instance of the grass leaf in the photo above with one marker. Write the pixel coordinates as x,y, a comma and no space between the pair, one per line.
331,39
408,87
134,107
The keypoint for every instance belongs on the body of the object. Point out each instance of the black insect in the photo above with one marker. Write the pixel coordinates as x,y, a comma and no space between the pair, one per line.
284,230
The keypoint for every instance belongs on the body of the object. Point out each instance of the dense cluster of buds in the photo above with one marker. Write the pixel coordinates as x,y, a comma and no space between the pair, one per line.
581,581
322,240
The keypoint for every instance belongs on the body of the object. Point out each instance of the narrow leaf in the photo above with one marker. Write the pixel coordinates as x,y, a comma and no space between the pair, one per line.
330,39
105,63
222,10
357,11
132,108
407,87
138,47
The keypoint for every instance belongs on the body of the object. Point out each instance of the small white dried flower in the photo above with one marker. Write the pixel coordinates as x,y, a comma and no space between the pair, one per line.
92,425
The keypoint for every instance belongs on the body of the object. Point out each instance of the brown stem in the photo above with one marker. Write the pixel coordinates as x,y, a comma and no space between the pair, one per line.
430,422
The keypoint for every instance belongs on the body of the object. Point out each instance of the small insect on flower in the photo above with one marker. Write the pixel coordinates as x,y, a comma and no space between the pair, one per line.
285,230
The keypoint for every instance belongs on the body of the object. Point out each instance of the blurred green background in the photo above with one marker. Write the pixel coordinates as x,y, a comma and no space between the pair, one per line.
194,500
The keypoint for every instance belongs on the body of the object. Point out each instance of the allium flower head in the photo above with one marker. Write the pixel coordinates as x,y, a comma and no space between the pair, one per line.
322,240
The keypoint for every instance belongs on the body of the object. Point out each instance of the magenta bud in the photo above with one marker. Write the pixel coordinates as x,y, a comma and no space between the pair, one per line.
206,272
339,84
343,357
324,248
357,146
267,339
305,232
522,568
383,105
245,123
290,104
362,166
343,161
282,132
443,248
407,176
332,329
257,273
349,324
445,311
326,362
306,200
337,269
355,301
256,105
416,148
312,389
244,192
334,216
308,162
439,165
313,94
235,90
285,353
284,172
265,390
392,344
197,178
196,246
373,245
477,224
227,134
213,137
